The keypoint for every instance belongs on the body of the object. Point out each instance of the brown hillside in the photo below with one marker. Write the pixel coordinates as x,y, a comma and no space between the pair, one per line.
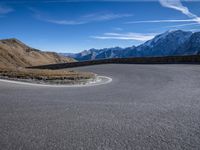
14,53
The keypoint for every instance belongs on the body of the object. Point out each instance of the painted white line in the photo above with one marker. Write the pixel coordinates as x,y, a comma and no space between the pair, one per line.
99,81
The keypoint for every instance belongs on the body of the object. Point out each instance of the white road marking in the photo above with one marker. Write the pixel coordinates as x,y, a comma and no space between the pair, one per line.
100,80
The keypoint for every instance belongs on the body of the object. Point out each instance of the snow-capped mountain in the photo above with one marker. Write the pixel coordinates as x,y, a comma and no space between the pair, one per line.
92,54
170,43
165,44
192,46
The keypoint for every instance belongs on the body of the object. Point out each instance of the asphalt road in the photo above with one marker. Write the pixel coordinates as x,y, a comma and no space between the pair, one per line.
145,107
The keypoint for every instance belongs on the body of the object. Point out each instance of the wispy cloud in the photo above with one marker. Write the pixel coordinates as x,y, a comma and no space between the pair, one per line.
182,25
89,18
163,21
84,19
64,22
177,5
118,29
126,36
5,10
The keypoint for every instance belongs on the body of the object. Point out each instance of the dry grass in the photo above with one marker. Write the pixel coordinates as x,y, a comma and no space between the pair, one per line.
14,53
15,56
40,74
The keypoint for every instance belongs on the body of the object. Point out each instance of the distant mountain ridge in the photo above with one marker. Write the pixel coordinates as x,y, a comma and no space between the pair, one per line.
14,53
170,43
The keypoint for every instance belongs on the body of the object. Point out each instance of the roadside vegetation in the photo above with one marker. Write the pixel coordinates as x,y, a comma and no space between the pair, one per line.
15,56
49,76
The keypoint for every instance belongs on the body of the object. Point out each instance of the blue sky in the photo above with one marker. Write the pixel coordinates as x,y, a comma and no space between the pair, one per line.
76,25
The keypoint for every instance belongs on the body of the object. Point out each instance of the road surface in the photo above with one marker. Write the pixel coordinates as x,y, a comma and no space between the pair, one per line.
145,107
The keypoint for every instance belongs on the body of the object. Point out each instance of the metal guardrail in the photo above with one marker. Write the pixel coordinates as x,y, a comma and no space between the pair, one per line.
189,59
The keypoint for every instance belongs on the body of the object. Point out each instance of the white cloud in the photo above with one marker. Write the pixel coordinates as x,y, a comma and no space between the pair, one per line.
126,36
65,22
103,16
182,25
84,19
163,21
177,5
91,18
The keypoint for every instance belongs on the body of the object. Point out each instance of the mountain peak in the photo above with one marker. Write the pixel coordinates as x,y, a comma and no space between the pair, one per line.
168,37
14,42
174,31
177,32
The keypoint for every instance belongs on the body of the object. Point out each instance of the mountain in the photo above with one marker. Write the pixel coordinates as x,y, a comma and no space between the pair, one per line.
14,53
192,46
92,54
165,44
170,43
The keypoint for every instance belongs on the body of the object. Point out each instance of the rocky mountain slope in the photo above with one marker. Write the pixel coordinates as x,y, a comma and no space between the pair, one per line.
14,53
170,43
93,54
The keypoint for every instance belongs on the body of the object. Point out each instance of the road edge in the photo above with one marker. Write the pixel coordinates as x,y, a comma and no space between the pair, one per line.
100,80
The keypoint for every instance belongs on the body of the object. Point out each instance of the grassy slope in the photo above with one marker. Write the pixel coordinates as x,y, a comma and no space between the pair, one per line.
40,74
14,53
15,56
